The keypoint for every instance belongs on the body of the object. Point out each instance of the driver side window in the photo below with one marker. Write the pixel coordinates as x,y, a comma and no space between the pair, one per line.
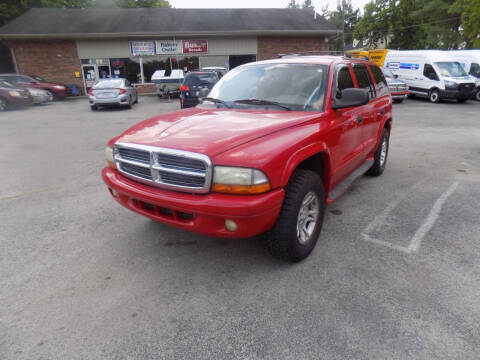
429,72
344,80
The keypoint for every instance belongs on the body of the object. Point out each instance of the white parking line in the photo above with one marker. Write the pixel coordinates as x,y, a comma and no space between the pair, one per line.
417,238
431,218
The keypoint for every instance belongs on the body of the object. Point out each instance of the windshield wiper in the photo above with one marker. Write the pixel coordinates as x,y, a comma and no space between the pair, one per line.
217,101
262,102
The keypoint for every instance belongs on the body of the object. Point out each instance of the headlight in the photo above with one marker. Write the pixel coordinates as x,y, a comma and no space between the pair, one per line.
59,87
109,157
238,180
450,84
14,93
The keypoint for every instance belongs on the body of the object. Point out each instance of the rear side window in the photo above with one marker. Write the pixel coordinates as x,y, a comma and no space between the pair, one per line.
429,72
363,79
380,80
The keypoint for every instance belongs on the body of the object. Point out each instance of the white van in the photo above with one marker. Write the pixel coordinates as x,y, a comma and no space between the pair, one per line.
431,73
470,60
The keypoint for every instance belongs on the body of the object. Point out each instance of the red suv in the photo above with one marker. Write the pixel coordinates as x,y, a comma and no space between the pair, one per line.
59,91
271,145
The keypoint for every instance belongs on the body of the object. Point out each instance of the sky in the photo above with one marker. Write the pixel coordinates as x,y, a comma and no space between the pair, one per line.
256,3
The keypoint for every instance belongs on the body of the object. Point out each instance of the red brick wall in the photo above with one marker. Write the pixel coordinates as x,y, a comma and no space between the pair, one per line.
55,60
270,46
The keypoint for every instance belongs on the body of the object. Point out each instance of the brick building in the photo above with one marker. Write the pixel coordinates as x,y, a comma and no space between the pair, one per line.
78,46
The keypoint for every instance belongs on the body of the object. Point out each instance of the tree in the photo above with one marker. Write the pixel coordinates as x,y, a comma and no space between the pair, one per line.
470,13
350,18
307,4
293,5
441,23
10,9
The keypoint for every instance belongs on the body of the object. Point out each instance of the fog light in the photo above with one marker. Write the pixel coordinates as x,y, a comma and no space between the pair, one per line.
230,225
114,193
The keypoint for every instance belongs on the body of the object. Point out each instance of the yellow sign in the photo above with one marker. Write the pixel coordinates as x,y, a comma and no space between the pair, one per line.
77,74
378,56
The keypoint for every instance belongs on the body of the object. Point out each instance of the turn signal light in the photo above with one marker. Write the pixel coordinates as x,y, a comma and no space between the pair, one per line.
184,88
241,189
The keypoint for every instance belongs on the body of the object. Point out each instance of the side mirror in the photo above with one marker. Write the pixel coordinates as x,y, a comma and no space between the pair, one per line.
203,93
350,98
395,76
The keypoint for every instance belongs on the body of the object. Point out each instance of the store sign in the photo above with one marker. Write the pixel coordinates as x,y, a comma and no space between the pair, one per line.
195,46
142,48
169,47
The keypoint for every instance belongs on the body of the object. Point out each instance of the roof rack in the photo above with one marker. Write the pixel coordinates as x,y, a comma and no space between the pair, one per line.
312,53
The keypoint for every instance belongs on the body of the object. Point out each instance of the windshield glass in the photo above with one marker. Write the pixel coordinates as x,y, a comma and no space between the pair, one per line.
5,84
388,73
38,78
200,79
300,87
108,84
450,68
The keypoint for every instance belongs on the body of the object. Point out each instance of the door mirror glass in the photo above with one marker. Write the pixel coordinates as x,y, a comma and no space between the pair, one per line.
350,98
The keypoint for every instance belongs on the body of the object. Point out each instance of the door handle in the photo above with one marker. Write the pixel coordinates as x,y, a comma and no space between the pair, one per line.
382,111
360,119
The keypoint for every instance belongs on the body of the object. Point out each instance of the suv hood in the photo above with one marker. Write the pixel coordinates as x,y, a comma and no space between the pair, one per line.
211,131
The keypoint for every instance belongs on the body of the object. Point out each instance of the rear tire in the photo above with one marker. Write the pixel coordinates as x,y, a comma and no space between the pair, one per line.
380,157
94,107
296,231
398,101
434,96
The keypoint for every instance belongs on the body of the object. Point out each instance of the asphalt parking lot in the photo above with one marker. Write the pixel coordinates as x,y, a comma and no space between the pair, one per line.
395,275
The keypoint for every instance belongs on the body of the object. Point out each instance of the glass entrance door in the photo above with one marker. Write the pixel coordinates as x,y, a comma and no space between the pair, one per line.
89,76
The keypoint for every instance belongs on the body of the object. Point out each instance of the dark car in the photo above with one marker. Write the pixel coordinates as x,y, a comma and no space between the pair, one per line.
59,91
194,84
11,96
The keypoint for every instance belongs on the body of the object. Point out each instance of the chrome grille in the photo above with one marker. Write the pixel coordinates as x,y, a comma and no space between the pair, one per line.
134,155
165,168
135,170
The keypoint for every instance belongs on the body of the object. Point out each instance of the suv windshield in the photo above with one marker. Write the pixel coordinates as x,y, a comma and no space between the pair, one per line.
299,87
108,84
200,79
450,68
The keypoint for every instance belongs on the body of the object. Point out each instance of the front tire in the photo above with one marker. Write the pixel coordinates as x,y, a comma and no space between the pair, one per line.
380,156
296,231
3,105
434,96
398,101
477,94
94,107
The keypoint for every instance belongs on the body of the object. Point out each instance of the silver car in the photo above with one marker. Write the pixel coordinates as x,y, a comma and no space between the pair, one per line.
112,92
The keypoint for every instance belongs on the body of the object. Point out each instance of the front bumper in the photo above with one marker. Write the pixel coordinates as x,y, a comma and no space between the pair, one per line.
202,214
399,94
456,94
19,101
40,99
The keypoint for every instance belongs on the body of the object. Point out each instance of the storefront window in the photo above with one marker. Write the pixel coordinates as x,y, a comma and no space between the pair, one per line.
128,68
154,63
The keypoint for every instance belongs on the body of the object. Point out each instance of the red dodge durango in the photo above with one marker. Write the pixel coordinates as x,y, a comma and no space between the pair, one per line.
272,143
